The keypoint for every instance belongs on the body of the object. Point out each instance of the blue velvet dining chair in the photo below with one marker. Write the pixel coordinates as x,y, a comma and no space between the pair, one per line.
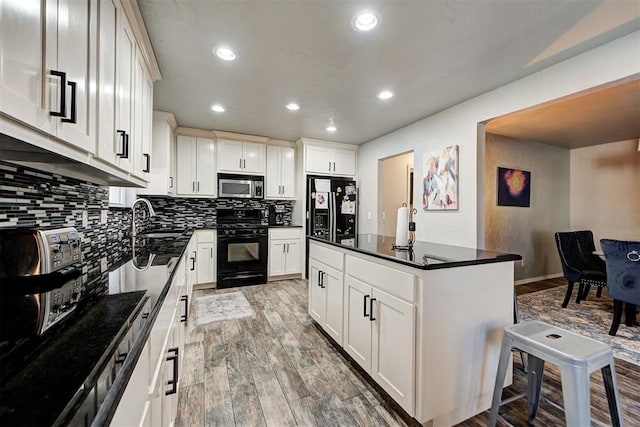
579,264
623,279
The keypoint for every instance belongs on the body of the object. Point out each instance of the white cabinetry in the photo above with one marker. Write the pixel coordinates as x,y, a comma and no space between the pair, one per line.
284,251
326,289
151,396
280,178
195,166
206,257
329,160
163,151
241,157
48,56
142,116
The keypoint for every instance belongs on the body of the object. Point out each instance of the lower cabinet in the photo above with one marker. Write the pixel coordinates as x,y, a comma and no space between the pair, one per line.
151,396
206,256
325,298
379,332
284,251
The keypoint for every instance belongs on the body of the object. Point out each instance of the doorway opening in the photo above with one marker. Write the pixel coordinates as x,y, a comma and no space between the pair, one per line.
395,187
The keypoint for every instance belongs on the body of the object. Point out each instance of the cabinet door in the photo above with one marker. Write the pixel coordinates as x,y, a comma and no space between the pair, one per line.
317,294
288,172
23,75
344,162
186,164
273,177
357,321
206,261
124,91
205,167
106,104
253,158
277,257
292,264
134,404
229,155
392,358
137,145
76,50
333,282
318,160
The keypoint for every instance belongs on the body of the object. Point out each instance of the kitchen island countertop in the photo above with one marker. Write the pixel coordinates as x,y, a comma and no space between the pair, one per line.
424,255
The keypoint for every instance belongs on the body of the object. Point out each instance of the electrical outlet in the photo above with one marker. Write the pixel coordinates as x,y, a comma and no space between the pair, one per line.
369,216
383,215
522,262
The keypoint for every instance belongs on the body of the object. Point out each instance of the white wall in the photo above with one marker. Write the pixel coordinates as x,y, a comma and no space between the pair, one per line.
605,190
458,125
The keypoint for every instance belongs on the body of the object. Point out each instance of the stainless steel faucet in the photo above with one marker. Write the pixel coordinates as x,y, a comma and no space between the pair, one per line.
152,213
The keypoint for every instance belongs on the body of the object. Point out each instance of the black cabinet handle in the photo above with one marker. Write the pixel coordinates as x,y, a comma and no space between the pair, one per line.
173,382
329,166
193,186
148,158
171,182
371,309
322,281
319,278
184,317
120,358
193,265
365,306
334,166
198,186
240,163
123,134
63,93
73,103
244,164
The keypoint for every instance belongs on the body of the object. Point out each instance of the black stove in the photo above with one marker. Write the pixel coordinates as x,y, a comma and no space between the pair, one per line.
243,243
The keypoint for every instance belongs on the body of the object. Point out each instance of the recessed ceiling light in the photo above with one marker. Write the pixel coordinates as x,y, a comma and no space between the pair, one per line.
293,106
217,108
365,21
331,128
385,94
226,53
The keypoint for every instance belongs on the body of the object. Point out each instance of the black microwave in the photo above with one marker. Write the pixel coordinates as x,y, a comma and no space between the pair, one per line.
233,186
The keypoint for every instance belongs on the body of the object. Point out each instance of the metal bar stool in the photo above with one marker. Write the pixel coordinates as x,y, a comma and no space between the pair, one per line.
575,355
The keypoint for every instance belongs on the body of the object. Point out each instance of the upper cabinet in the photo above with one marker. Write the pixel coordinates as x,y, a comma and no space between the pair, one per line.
329,160
280,178
162,179
241,157
48,56
63,88
195,166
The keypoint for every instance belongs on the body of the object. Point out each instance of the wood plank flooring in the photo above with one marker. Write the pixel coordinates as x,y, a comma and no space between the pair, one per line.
277,369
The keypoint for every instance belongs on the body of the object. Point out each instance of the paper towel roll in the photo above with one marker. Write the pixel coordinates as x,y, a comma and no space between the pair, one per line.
402,227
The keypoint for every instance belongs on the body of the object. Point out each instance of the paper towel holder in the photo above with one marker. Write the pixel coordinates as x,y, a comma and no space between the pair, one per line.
409,246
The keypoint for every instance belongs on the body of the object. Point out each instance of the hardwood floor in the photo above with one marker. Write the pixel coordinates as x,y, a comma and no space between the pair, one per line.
277,369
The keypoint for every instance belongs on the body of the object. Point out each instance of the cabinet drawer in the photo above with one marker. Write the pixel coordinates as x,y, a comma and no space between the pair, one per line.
327,256
284,233
206,236
395,282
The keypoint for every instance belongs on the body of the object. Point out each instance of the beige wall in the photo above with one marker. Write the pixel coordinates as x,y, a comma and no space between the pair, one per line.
393,187
605,190
528,231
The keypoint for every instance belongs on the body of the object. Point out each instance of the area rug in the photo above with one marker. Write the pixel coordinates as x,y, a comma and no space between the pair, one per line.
229,306
591,318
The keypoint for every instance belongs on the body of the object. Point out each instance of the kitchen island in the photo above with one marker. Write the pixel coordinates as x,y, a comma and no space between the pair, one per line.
425,325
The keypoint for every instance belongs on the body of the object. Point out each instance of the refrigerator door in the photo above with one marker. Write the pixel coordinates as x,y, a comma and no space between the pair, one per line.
318,207
344,210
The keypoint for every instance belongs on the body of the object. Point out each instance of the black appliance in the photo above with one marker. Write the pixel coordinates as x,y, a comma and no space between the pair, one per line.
332,209
41,285
243,245
232,186
276,215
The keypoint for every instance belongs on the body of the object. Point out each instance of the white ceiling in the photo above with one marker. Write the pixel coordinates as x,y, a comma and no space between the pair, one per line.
432,54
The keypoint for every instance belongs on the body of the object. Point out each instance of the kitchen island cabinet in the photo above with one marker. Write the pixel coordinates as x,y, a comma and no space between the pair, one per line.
426,326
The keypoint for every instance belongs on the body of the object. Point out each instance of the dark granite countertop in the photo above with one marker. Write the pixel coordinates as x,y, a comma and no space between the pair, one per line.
59,368
425,255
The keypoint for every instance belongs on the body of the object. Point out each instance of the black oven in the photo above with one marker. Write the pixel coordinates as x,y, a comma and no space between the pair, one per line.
243,245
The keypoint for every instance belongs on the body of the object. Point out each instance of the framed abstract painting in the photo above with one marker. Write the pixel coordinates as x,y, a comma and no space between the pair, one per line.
514,187
440,179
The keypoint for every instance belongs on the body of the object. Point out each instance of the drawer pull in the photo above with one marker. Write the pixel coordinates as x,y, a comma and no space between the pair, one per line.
365,306
173,382
371,309
185,299
63,93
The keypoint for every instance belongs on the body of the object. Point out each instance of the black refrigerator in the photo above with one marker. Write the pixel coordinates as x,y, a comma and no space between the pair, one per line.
332,209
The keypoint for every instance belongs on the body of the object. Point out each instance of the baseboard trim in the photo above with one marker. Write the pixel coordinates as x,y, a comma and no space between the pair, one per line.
537,279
